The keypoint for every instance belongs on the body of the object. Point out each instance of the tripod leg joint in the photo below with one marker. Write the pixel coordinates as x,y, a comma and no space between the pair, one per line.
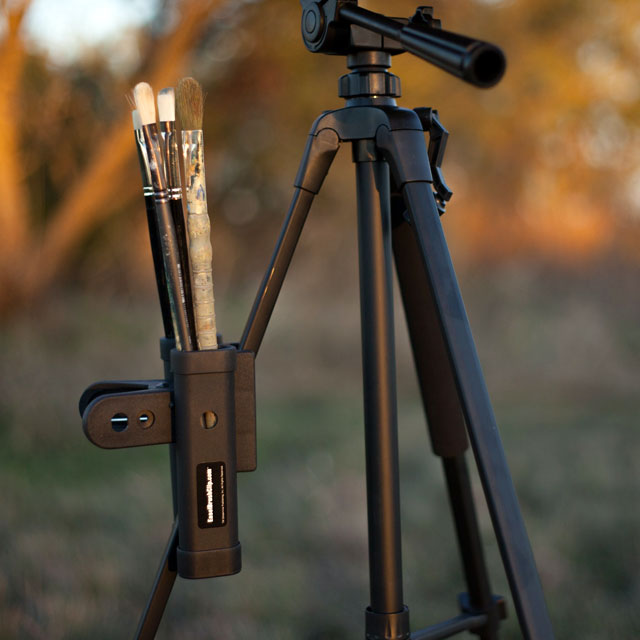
319,153
404,150
495,612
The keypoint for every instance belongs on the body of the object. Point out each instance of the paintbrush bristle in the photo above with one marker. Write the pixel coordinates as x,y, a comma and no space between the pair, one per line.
189,104
166,105
137,122
145,103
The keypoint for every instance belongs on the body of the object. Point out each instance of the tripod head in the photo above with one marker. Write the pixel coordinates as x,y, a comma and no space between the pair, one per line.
340,27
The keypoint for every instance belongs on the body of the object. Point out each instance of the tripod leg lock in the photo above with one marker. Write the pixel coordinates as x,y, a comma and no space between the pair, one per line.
387,626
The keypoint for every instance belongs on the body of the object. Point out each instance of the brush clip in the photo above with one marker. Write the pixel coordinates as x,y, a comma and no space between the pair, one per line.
204,409
118,414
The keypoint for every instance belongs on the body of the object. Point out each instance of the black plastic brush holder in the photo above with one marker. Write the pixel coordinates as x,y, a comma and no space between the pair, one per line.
205,410
205,445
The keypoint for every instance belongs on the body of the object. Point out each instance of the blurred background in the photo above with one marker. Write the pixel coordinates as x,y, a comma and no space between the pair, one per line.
544,229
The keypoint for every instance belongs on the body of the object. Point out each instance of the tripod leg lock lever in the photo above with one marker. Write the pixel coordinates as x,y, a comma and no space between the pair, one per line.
438,136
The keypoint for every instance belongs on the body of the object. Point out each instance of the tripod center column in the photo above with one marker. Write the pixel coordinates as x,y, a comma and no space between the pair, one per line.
387,610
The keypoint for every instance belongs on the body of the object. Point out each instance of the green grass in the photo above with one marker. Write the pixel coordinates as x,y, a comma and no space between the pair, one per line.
82,529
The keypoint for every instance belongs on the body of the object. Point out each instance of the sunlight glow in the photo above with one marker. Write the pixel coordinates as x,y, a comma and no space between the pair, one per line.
65,29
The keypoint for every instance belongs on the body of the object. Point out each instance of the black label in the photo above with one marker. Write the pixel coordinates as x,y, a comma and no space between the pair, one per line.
212,493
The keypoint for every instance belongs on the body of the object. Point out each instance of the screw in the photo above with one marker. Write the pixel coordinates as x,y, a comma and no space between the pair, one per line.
145,419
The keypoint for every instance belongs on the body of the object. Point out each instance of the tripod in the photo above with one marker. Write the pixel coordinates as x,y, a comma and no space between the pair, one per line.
401,194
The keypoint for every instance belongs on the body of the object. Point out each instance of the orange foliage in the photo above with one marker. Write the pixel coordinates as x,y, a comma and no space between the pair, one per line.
541,165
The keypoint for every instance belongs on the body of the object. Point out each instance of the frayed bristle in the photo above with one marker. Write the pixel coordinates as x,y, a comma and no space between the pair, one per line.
145,104
137,122
167,105
189,104
130,99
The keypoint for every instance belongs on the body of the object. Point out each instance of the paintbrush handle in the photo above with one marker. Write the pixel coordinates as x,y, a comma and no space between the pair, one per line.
168,239
199,228
158,267
172,167
181,237
154,239
173,269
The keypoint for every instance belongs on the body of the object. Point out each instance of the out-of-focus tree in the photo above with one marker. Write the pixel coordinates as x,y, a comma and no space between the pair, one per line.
15,210
66,160
548,160
546,163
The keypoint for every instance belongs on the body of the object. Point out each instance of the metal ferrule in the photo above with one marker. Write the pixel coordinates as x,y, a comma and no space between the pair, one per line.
156,162
193,155
143,159
172,164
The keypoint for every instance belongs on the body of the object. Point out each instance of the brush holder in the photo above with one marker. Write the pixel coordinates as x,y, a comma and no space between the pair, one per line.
205,409
205,453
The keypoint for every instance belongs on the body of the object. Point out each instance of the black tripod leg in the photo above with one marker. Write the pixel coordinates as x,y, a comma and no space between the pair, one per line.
166,576
437,384
444,416
316,160
387,617
508,524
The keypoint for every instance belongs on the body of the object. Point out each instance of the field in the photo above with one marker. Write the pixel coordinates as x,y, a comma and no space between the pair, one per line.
81,529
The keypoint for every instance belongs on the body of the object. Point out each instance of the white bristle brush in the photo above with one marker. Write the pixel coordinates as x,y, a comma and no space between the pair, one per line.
145,104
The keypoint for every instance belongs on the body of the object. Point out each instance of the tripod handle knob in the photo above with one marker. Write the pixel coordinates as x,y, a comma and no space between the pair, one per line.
313,23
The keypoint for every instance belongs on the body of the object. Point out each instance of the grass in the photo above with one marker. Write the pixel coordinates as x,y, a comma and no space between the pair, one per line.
81,529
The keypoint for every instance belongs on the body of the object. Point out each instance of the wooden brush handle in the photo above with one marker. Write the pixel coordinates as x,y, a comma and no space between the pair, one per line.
199,228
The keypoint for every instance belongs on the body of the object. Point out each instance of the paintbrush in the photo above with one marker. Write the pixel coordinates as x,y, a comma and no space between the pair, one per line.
166,125
145,104
156,249
189,101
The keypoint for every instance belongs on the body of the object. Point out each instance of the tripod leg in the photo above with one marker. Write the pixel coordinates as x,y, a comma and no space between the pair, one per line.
318,155
444,416
166,576
494,472
387,610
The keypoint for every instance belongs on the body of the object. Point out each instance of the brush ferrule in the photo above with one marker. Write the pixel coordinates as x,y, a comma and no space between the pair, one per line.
193,155
161,196
156,162
143,159
171,161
